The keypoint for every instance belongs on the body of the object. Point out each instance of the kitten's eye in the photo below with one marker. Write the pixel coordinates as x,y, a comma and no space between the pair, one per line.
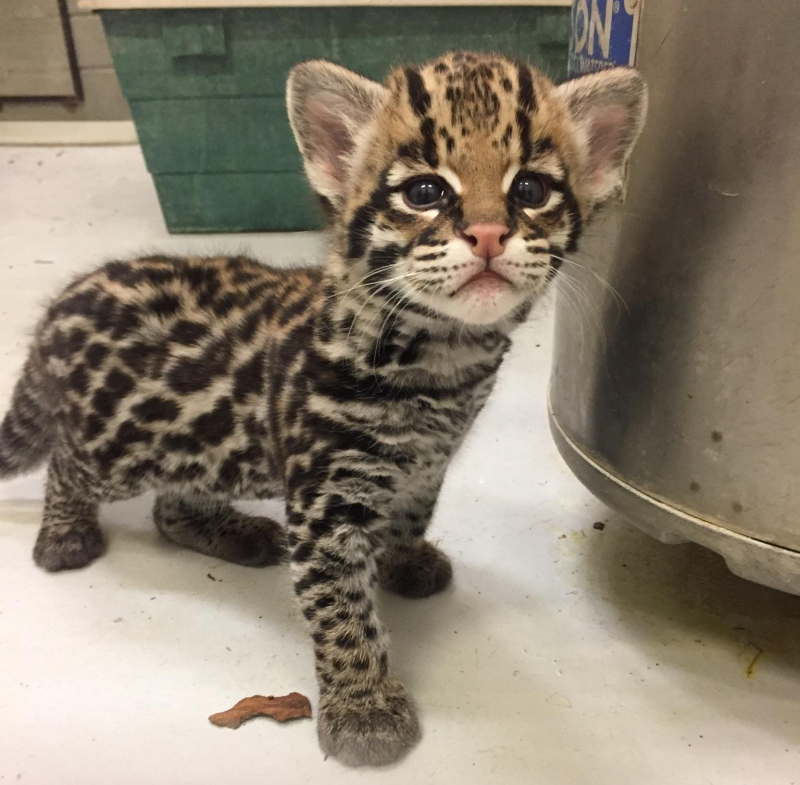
530,189
424,192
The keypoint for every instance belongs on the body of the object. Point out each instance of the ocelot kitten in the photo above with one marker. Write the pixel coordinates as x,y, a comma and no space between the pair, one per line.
454,188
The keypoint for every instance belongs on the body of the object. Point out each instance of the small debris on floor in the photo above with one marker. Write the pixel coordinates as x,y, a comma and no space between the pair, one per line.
599,525
293,706
559,700
43,261
211,577
750,671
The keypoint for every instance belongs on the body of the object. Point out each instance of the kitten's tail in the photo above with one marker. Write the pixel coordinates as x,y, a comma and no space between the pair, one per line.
26,434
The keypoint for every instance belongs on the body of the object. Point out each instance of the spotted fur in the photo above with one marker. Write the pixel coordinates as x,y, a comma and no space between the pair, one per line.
345,390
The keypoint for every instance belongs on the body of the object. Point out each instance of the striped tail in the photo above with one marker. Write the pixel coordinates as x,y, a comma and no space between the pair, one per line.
26,435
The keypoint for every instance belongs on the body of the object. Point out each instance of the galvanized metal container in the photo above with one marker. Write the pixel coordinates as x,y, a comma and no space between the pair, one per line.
680,406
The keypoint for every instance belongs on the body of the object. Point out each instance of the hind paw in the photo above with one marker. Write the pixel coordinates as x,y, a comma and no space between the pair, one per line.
259,542
419,573
220,531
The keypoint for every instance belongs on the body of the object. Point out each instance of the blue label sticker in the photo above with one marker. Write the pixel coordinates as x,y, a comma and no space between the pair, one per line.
603,34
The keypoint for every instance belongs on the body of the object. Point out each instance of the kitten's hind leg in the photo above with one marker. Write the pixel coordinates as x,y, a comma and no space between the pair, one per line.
410,565
70,536
218,530
414,567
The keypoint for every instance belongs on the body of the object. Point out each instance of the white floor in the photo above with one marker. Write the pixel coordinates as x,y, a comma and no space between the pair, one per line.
563,655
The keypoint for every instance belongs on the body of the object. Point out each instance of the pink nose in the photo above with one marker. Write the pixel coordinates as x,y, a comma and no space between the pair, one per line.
486,240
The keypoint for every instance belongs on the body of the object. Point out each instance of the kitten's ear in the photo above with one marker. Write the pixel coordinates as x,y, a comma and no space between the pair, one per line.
609,109
328,107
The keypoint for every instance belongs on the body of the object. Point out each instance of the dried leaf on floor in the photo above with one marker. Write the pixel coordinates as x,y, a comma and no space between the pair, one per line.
293,706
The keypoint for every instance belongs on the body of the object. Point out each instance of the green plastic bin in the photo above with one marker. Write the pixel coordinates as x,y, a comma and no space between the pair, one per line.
206,90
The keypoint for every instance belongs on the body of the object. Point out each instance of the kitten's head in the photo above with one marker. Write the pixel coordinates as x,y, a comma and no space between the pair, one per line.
456,185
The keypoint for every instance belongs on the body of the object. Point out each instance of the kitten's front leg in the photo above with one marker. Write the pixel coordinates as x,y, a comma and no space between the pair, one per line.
365,714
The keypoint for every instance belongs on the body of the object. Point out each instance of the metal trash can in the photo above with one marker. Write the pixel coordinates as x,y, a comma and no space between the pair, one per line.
677,401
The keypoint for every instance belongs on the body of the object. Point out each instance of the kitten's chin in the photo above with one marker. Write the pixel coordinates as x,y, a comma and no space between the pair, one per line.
480,302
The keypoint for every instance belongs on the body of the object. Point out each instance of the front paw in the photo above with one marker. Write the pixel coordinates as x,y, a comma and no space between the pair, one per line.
418,573
68,547
373,731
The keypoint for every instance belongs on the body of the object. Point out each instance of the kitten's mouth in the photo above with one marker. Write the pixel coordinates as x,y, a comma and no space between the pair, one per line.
486,280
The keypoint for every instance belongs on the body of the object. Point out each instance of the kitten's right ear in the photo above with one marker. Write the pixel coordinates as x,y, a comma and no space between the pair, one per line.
328,107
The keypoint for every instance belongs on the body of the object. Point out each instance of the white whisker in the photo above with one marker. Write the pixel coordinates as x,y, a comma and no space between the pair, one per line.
614,292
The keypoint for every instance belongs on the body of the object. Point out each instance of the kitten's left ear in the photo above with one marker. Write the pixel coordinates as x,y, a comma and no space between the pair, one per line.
609,109
328,107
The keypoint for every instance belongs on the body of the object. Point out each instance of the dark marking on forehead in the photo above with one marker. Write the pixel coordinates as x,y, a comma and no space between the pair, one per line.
472,93
428,130
419,97
448,139
411,151
441,68
506,83
527,97
524,128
